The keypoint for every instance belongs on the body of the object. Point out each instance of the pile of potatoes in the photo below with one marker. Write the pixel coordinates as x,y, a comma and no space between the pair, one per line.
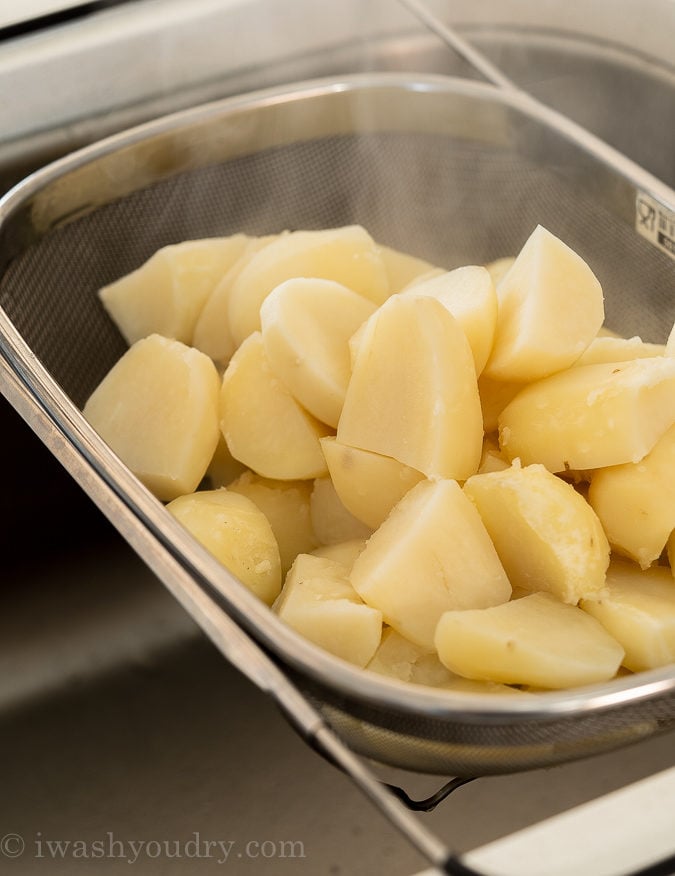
456,478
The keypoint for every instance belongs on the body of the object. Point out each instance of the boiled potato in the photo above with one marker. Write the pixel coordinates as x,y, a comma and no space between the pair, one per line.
399,658
212,333
636,502
286,504
264,426
550,309
591,416
402,269
306,326
324,608
368,484
347,255
344,552
237,533
536,640
499,267
331,521
469,294
413,393
494,396
157,408
547,536
166,293
639,612
606,348
431,554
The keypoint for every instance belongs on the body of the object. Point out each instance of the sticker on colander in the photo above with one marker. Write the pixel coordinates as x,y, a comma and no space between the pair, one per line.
656,223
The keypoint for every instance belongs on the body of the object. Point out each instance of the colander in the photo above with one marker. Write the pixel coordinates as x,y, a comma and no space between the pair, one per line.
457,172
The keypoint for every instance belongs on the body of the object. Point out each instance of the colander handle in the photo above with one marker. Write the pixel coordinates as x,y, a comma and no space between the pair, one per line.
463,48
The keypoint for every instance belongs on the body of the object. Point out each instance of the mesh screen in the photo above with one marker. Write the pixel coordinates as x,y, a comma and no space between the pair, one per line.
452,202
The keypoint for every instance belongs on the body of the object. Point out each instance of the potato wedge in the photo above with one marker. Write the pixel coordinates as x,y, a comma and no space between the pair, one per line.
286,504
264,426
331,521
605,348
591,416
165,295
431,554
347,255
157,408
413,393
638,610
237,533
368,484
306,326
550,309
536,640
636,502
547,536
469,294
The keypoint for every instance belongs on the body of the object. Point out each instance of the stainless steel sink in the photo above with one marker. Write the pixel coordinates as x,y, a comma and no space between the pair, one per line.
119,722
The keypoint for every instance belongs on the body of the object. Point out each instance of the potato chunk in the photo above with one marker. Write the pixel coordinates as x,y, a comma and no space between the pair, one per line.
344,552
331,521
636,502
286,504
605,348
326,609
166,293
591,416
430,555
536,640
469,294
264,426
237,533
399,658
368,484
550,309
546,534
639,611
157,408
347,255
306,326
212,333
413,393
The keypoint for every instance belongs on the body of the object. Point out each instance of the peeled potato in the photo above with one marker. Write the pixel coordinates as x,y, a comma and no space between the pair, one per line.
606,348
430,555
636,502
331,521
591,416
157,408
344,552
212,333
399,658
402,269
536,640
166,293
306,326
639,611
347,255
325,609
550,309
368,484
469,294
237,533
546,534
413,393
264,426
286,504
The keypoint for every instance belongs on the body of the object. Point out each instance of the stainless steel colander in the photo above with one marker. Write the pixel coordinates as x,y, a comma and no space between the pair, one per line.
454,171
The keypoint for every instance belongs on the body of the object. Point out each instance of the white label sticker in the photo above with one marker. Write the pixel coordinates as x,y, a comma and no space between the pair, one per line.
656,223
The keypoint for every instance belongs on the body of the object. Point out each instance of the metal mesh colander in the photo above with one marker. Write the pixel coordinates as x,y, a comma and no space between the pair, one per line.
453,171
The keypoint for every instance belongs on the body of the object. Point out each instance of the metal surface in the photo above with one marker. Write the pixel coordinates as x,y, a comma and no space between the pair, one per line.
241,153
